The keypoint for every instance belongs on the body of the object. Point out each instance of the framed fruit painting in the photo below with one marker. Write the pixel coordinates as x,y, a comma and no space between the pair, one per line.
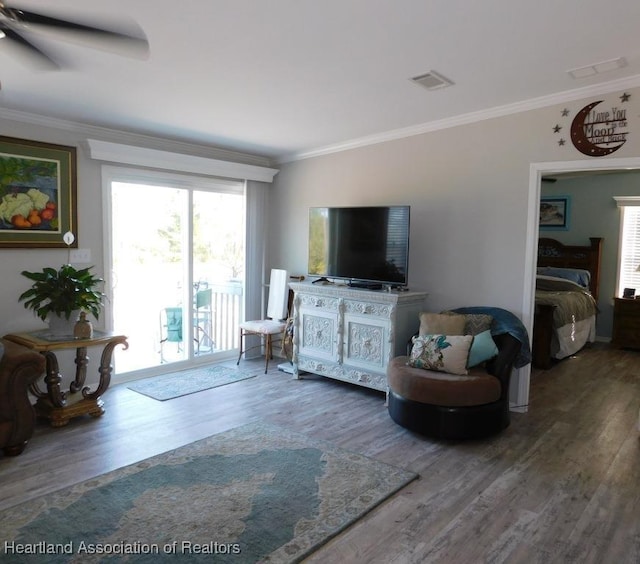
37,193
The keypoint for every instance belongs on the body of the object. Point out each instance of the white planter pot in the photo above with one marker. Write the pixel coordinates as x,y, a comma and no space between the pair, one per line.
60,326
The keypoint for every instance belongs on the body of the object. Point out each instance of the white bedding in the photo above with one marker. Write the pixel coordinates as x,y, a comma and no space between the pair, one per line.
570,338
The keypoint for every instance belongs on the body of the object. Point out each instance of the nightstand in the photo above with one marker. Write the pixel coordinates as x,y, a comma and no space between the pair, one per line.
626,323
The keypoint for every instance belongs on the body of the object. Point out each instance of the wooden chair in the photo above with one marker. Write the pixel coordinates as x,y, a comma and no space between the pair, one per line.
275,322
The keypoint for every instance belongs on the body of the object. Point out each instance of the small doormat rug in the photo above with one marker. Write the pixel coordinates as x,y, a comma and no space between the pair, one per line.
257,493
176,384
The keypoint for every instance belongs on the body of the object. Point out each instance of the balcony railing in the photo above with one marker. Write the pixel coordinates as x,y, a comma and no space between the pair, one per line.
154,341
226,308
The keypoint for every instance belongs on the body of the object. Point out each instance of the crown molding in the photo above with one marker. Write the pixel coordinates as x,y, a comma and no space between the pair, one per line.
468,118
206,151
161,143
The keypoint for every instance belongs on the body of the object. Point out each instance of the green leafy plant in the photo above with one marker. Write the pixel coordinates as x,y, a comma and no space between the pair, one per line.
63,291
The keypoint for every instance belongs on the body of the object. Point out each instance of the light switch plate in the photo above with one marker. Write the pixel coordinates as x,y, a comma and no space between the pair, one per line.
80,256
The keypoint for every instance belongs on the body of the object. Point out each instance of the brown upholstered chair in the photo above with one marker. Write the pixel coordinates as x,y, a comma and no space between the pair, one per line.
19,368
454,407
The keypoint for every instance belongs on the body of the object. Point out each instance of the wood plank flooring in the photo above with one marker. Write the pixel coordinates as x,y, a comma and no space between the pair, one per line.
561,484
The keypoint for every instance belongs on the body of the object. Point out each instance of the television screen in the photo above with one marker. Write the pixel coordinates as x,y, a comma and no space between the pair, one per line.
369,244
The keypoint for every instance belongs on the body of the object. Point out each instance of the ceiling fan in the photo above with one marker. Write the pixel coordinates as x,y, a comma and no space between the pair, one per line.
17,27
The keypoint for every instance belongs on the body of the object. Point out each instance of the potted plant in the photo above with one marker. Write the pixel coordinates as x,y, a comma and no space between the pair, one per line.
63,292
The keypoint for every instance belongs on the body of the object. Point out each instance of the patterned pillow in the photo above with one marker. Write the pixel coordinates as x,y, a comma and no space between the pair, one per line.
443,353
442,324
475,324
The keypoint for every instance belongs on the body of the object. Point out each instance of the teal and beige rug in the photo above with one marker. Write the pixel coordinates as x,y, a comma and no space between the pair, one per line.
176,384
256,493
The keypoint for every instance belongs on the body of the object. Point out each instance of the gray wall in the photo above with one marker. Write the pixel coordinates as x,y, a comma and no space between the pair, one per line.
594,213
468,188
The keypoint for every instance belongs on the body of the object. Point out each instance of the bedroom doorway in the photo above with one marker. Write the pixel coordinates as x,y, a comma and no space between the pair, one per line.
177,260
536,172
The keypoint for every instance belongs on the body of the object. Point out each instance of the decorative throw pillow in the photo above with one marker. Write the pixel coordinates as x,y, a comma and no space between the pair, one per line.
442,324
483,348
443,353
475,322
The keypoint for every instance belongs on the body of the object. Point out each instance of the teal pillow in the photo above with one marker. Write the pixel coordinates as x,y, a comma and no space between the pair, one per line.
483,348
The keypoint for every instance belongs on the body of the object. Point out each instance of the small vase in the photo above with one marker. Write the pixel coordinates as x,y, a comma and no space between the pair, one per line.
60,326
83,328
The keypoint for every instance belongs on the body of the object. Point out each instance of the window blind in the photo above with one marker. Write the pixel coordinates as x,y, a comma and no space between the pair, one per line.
630,249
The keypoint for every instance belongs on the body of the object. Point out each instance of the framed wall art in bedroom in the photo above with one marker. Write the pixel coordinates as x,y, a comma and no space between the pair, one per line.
555,213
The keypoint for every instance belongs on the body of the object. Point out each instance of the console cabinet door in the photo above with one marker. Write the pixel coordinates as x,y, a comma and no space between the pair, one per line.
318,333
366,342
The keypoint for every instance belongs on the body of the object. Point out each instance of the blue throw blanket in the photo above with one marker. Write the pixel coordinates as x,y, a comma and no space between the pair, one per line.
505,322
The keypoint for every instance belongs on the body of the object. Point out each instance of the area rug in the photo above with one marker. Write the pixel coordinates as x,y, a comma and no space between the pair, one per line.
256,493
176,384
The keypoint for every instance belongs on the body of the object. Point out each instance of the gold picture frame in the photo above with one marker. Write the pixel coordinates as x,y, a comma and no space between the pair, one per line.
38,190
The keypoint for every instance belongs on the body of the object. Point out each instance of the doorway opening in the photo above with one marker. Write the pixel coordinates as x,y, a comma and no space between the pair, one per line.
536,172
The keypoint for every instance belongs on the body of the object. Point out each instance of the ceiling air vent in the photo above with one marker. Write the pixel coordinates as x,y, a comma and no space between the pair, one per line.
596,68
432,80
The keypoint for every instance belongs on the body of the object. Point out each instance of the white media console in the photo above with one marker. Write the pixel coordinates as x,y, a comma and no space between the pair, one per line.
351,334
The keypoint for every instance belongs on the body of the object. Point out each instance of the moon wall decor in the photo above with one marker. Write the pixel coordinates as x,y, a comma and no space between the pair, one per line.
597,133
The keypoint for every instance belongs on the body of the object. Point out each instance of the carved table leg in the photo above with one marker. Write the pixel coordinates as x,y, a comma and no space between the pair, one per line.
36,391
52,380
60,408
81,369
105,370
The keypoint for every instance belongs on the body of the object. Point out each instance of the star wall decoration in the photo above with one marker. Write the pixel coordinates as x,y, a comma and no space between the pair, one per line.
557,128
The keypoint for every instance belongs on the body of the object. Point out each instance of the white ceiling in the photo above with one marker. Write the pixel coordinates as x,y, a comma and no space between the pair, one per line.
281,78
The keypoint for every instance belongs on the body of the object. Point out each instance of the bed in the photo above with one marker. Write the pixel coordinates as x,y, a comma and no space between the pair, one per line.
567,285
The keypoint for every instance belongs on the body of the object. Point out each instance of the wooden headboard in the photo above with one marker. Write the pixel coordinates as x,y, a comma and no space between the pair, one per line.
554,253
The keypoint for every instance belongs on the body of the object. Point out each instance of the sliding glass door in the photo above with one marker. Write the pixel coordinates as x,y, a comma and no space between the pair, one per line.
177,268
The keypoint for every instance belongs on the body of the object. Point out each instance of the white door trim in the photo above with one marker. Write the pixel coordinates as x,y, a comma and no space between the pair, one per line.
536,172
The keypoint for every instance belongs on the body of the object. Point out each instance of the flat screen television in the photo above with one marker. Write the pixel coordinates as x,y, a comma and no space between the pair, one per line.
367,245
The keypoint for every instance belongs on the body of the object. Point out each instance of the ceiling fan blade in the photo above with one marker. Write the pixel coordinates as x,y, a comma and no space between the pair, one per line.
136,42
39,57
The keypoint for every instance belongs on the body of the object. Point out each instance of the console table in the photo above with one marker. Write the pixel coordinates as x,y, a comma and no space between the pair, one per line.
55,404
351,334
